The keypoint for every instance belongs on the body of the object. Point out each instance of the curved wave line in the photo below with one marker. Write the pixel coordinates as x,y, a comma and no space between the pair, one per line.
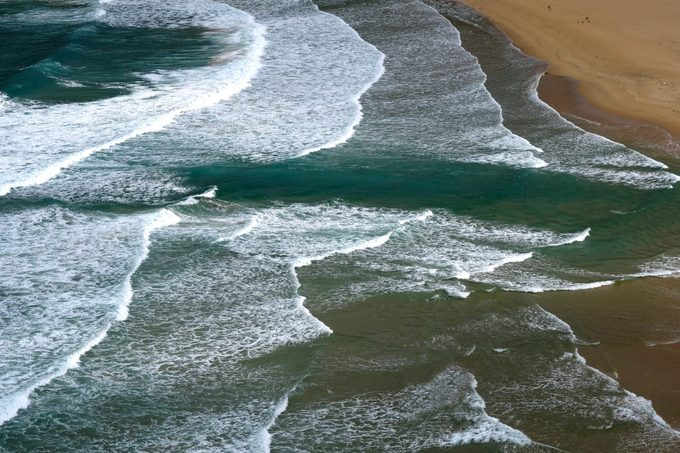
351,129
12,404
159,123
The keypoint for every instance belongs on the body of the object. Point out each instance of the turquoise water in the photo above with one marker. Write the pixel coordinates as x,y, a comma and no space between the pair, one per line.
288,226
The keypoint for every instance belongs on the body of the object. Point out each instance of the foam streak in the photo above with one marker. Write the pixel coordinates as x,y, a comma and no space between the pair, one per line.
349,132
157,124
12,404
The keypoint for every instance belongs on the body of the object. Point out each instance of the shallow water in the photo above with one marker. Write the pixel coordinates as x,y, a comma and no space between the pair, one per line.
299,229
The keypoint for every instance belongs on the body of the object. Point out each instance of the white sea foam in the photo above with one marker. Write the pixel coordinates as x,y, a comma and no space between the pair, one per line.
321,106
449,113
397,251
519,151
578,237
513,157
164,219
458,292
419,218
543,275
662,266
662,342
518,258
617,154
383,420
256,299
566,147
210,193
486,428
317,112
19,399
486,431
517,235
12,404
364,245
563,385
349,131
155,109
306,261
634,407
253,222
568,287
266,437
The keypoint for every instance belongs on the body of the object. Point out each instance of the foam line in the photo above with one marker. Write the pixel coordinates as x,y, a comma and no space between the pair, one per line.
306,261
486,428
532,161
455,292
651,344
247,229
420,218
661,267
369,244
12,404
569,287
533,94
578,237
164,219
281,406
642,403
159,123
518,258
351,129
210,193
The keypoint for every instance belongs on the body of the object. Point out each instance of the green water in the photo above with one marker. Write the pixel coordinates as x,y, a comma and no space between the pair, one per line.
193,284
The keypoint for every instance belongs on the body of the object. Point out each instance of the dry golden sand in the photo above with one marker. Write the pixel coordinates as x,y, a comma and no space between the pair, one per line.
624,53
615,69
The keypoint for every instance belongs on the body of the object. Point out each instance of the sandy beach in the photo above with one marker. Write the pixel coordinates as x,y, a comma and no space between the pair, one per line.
623,53
563,95
361,231
614,70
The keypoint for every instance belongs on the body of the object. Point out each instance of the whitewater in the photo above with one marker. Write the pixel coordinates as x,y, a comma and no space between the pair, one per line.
321,226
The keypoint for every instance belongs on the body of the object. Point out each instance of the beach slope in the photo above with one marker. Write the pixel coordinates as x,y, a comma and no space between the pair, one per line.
625,53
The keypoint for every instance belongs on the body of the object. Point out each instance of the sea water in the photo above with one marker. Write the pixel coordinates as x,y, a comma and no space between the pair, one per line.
296,226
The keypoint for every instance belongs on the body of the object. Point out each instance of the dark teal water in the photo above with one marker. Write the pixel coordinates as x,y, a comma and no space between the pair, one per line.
254,226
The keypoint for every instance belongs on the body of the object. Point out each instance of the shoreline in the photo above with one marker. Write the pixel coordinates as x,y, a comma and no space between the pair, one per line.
628,332
592,81
625,326
561,93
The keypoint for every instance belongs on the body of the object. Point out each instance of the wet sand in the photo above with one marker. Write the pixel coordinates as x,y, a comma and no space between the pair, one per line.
634,331
562,94
390,342
615,88
635,324
623,52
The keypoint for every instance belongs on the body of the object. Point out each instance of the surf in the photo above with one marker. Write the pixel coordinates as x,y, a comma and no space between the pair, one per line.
57,360
174,94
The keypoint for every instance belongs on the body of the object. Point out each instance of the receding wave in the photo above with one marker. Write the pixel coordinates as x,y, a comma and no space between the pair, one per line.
73,132
566,147
82,325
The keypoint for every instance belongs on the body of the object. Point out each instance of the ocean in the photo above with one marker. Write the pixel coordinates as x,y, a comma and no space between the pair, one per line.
280,225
